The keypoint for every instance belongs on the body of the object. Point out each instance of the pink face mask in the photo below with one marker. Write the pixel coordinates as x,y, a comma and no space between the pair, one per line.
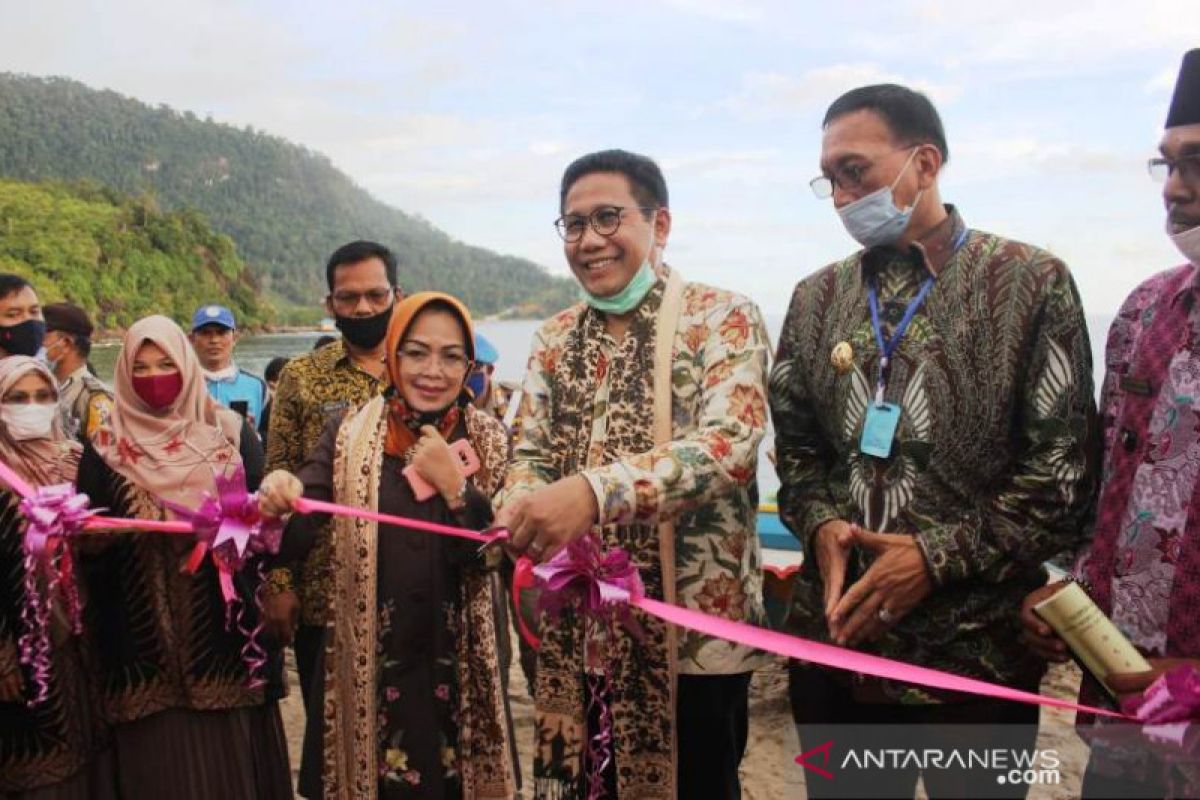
158,391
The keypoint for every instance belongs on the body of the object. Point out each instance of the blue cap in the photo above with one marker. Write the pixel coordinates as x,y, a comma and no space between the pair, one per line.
213,315
484,352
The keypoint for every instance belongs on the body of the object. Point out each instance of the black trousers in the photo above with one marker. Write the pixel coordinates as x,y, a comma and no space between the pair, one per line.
712,714
825,711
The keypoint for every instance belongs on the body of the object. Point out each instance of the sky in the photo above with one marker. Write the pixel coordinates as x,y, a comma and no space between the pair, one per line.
467,113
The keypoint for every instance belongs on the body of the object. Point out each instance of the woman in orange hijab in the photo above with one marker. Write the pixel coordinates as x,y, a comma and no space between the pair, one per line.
414,704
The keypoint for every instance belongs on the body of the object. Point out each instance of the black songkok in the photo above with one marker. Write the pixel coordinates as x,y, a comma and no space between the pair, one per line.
1185,105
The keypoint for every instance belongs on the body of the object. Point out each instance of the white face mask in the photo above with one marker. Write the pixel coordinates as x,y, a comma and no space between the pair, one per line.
1188,243
26,421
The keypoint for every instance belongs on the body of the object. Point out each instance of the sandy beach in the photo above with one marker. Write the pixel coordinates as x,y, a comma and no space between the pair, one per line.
769,770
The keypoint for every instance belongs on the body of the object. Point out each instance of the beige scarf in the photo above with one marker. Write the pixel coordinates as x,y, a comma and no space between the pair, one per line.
351,768
173,453
642,672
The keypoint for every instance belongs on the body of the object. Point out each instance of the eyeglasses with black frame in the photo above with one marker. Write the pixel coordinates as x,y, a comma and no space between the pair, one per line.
1188,165
605,220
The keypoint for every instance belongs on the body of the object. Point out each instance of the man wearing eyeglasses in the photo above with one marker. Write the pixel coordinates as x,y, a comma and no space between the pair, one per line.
932,401
643,408
313,389
1142,566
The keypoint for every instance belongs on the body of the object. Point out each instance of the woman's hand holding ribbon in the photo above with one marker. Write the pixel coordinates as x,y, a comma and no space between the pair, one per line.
278,493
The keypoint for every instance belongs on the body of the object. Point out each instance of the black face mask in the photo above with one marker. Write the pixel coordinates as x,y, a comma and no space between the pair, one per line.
24,338
365,332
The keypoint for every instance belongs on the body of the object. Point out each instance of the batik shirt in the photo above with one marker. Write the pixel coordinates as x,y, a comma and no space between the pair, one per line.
1149,579
704,479
314,388
992,466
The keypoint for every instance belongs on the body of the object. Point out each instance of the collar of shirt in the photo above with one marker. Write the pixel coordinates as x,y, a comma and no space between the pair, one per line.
1188,289
78,374
227,375
931,252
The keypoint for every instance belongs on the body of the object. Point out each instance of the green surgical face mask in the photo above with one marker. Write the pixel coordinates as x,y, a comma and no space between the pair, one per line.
632,295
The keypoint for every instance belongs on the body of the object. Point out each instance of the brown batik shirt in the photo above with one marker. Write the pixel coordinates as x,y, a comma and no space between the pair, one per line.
992,469
313,389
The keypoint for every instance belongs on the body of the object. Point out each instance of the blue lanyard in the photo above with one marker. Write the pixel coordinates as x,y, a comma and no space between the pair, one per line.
887,348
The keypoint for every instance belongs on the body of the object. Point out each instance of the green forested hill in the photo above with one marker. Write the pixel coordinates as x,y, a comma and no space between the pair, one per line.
286,207
119,257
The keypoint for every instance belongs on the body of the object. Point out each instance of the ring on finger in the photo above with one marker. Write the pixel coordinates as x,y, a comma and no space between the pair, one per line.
886,616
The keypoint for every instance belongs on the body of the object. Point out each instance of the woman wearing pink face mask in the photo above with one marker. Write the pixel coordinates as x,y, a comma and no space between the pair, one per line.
47,750
172,678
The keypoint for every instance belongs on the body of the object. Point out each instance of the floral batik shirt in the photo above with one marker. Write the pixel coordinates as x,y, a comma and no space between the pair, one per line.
703,480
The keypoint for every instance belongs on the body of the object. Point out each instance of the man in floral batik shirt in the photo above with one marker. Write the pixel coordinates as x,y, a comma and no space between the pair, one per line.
1143,563
589,463
927,490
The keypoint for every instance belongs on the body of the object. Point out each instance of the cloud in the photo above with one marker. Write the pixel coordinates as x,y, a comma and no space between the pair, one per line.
770,95
1163,82
991,158
720,10
1074,36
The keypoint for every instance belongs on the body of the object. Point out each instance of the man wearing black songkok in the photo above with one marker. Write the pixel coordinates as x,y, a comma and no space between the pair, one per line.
1143,561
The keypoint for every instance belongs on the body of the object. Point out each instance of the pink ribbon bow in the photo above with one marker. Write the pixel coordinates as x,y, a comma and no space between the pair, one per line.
230,527
605,586
53,514
596,579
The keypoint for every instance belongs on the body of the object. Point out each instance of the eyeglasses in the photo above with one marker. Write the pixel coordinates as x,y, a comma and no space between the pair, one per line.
1188,166
849,177
604,221
378,299
420,358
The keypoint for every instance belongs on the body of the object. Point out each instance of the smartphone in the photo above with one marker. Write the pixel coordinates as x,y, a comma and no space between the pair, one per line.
468,465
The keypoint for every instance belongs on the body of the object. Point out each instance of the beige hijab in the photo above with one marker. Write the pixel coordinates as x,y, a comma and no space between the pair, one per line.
42,462
173,453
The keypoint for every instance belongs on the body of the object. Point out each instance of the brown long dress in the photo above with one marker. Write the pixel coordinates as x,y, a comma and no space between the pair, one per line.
419,626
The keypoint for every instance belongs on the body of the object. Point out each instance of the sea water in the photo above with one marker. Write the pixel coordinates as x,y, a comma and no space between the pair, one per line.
512,339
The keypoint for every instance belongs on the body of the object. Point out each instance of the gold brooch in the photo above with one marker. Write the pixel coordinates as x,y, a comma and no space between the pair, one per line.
842,357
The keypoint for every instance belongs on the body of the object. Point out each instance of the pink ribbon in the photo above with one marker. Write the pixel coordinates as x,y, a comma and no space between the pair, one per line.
523,578
306,505
230,528
52,514
773,641
1174,697
605,586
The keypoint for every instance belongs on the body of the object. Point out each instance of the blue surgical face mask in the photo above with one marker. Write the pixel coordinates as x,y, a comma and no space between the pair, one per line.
874,220
634,292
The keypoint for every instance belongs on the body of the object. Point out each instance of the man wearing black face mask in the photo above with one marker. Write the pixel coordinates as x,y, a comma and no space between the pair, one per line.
21,325
314,388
